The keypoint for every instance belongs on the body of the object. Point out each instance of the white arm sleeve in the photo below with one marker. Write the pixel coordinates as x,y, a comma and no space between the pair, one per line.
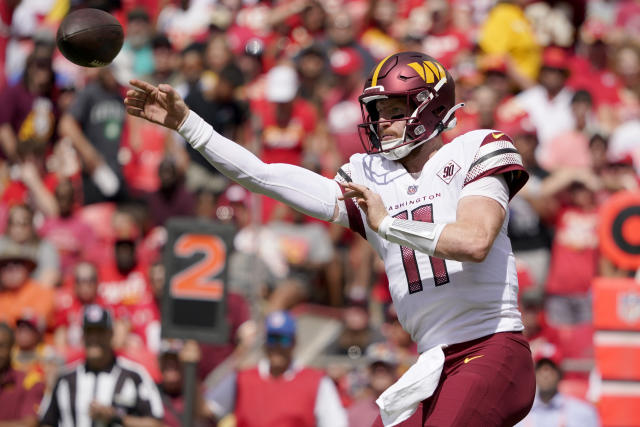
306,191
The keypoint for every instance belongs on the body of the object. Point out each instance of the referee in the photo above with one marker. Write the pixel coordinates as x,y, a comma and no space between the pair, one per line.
105,390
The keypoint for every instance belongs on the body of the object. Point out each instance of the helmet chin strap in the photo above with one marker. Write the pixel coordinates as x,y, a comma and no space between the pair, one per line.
404,150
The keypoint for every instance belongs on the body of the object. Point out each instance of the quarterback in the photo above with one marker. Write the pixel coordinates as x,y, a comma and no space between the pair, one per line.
436,214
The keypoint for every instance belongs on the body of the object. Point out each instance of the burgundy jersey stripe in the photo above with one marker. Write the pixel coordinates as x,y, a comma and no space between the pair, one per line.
355,219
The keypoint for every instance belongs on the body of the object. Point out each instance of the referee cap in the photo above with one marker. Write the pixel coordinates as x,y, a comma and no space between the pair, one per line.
96,316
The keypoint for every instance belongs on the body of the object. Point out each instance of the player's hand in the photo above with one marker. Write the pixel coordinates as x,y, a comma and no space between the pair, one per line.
370,202
161,104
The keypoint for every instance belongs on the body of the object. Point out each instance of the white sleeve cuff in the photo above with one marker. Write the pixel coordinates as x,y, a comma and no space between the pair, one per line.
383,228
195,130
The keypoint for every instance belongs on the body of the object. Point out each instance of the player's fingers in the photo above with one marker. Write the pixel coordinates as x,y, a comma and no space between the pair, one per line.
350,193
171,92
135,93
135,111
146,87
360,189
139,103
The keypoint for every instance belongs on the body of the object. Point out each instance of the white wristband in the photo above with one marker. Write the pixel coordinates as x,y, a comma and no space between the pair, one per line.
417,235
383,228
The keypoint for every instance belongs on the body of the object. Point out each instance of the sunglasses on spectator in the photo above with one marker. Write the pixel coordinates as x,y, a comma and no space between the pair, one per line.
274,340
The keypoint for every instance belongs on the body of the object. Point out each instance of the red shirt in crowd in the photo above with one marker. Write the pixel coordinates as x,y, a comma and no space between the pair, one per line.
446,46
20,394
17,192
284,144
68,313
575,245
73,238
117,289
259,399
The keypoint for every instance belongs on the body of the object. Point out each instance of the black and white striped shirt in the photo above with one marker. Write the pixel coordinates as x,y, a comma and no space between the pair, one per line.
126,386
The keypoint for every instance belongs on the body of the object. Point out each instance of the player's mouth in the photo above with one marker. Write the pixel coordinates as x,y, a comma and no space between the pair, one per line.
389,137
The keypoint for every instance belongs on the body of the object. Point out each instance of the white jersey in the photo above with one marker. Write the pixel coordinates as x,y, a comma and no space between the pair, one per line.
443,301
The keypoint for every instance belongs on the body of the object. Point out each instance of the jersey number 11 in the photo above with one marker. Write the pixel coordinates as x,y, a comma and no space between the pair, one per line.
409,261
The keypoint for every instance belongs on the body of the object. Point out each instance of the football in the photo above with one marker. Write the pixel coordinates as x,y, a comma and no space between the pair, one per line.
90,37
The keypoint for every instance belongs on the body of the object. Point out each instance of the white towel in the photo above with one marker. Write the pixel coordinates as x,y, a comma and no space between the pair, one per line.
402,398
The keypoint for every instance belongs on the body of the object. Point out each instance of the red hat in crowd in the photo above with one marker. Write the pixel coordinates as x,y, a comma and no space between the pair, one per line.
33,320
547,352
514,121
555,57
345,61
494,63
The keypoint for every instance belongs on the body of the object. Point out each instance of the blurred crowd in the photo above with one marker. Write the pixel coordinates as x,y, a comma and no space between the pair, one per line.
86,190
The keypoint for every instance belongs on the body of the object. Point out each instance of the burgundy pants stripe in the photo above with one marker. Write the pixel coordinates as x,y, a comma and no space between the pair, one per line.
487,382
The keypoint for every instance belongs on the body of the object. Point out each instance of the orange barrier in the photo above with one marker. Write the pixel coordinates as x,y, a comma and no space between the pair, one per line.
616,319
616,304
619,411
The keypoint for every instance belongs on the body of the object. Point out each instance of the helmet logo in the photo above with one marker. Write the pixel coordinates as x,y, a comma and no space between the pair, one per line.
429,71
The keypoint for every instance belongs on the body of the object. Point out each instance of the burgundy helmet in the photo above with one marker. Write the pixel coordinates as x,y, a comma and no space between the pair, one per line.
429,91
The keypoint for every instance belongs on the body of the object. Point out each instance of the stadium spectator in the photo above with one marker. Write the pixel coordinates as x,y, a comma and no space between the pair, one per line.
218,55
30,349
253,395
94,124
186,21
341,107
68,232
148,145
173,355
549,102
106,389
570,149
507,33
312,65
214,98
165,61
551,407
31,183
442,39
381,373
536,330
287,121
28,109
575,242
342,31
239,341
191,67
70,303
381,27
21,231
20,392
172,198
136,55
18,292
530,210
